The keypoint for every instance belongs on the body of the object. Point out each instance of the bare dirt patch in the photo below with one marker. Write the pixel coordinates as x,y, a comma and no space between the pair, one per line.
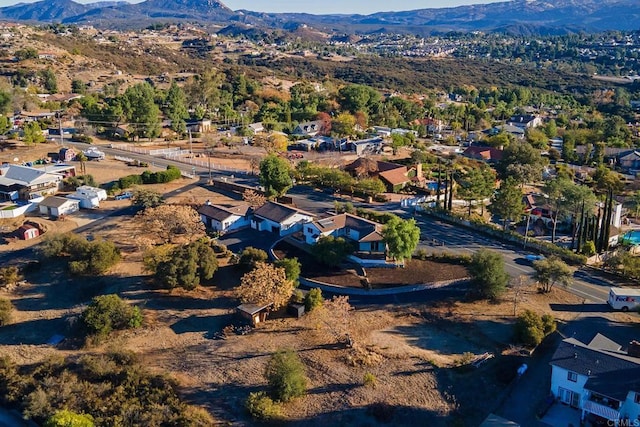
415,272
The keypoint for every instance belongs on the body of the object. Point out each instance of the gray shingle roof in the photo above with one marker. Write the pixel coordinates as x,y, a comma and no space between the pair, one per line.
277,212
220,213
55,202
610,373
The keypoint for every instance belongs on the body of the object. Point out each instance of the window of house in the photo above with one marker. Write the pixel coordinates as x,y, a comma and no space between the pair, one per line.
572,376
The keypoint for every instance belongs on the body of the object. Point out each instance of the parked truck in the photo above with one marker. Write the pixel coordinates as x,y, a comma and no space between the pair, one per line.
624,299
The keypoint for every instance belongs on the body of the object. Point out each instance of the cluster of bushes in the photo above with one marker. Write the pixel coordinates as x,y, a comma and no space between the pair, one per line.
147,177
332,251
107,313
187,266
6,308
102,390
286,378
382,218
84,257
531,328
327,177
77,181
81,138
444,257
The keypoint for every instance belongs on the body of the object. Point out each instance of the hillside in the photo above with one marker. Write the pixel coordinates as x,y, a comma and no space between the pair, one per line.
515,16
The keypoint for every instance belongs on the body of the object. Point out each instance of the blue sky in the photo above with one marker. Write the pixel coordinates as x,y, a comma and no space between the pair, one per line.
322,6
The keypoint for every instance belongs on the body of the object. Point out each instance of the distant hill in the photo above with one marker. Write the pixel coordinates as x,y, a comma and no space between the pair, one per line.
515,16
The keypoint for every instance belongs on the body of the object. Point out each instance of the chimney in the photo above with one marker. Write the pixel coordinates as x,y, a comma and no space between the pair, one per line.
634,349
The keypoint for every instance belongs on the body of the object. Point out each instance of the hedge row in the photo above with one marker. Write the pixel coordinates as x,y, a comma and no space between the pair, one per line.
147,177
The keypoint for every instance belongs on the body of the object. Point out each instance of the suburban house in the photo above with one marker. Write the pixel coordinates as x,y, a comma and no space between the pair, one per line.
366,234
280,219
525,121
256,128
199,125
394,176
630,162
485,154
26,183
224,218
58,206
366,146
308,128
599,379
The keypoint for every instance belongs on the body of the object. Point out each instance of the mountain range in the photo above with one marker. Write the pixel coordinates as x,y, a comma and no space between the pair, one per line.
514,16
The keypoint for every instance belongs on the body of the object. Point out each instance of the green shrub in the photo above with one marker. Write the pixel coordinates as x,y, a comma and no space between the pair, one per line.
251,256
589,248
9,275
285,375
66,418
262,407
487,271
531,328
6,309
297,297
85,258
107,313
332,251
313,299
129,181
421,254
187,266
292,268
369,380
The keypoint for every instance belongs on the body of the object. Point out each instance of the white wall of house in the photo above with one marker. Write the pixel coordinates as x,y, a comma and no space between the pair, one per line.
232,222
560,384
289,226
629,407
67,208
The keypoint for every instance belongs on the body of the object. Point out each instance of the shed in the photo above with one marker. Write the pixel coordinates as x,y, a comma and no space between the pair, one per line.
296,310
28,232
89,197
66,154
254,313
57,206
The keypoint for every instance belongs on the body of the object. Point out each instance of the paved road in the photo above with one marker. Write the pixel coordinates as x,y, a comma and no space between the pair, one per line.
587,284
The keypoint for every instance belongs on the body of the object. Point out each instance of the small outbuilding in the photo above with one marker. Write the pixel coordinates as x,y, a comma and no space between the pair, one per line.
58,206
254,313
89,197
28,232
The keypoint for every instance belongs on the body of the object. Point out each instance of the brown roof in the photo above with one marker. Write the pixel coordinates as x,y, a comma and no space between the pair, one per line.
395,176
369,230
221,212
484,153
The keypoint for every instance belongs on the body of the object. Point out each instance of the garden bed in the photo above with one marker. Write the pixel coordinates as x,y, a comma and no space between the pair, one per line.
415,272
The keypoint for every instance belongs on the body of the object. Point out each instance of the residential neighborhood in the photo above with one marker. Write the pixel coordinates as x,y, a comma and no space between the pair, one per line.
224,225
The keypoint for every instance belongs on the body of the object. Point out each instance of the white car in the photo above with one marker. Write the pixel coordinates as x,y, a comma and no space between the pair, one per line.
534,257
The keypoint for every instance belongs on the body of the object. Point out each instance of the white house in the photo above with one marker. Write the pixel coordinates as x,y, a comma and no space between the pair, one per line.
280,219
27,183
58,206
89,197
224,218
525,121
599,379
366,236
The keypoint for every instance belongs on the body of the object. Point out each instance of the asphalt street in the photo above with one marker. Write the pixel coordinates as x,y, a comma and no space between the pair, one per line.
435,235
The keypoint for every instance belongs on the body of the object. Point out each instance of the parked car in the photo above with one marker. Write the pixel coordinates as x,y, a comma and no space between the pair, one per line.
125,195
534,257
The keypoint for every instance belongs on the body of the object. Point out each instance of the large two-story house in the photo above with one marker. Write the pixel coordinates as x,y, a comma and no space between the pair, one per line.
366,235
599,379
26,183
280,219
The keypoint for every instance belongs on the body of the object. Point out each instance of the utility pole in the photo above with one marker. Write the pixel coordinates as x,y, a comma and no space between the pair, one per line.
439,185
190,144
209,166
60,128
